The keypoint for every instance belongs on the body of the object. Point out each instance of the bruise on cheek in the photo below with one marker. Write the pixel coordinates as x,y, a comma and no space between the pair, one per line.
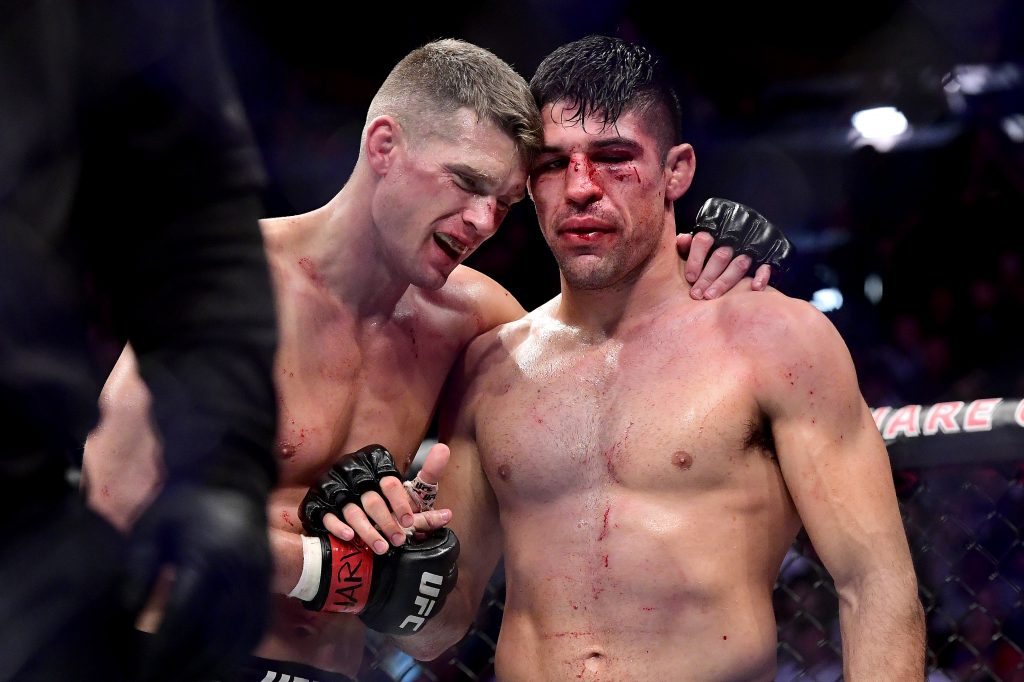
415,348
627,174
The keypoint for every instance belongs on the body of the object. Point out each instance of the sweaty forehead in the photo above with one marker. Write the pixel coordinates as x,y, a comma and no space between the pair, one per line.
563,127
479,148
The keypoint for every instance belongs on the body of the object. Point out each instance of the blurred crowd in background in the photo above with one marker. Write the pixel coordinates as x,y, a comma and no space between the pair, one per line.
920,235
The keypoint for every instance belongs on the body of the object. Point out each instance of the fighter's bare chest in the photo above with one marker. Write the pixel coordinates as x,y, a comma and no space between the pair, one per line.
346,387
642,416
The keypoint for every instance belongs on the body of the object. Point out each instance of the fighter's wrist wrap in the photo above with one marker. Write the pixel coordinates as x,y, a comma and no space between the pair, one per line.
421,494
395,593
346,575
312,567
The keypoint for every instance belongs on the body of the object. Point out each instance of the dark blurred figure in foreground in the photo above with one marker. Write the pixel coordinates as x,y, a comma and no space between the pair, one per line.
128,211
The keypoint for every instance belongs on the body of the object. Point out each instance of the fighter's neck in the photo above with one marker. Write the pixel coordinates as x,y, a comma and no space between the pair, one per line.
608,311
339,243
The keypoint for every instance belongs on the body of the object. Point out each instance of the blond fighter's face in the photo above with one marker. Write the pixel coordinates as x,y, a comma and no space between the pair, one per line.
448,192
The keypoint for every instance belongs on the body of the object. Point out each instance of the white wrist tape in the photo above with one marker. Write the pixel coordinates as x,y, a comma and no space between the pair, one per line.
312,566
422,494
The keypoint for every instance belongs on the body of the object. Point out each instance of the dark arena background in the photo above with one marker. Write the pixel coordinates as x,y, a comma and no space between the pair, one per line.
909,237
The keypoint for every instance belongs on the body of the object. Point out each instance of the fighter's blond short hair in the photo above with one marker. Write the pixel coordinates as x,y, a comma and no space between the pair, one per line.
446,75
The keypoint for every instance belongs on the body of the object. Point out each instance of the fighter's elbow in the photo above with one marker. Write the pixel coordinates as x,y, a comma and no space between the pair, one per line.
422,651
887,587
125,399
442,632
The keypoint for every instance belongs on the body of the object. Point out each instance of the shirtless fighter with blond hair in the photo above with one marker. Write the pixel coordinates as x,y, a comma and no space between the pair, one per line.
374,308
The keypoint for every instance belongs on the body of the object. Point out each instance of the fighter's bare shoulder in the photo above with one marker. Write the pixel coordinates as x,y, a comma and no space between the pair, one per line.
772,318
771,321
783,337
489,352
474,294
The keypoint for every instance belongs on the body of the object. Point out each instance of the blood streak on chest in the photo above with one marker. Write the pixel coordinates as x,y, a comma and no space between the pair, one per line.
604,525
616,456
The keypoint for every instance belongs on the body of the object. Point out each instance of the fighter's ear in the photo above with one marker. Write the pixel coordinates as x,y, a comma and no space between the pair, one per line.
680,164
383,138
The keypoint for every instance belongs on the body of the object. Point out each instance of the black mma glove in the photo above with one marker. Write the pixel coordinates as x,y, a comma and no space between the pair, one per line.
746,231
216,541
393,593
351,476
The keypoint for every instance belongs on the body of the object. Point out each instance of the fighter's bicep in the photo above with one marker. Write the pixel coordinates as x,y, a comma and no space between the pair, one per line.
466,491
125,414
838,475
847,503
832,457
463,486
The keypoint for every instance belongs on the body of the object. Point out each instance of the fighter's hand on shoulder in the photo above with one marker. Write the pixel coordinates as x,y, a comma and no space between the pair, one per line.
215,539
734,229
365,489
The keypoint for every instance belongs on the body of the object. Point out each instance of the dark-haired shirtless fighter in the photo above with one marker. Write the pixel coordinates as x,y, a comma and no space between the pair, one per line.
643,461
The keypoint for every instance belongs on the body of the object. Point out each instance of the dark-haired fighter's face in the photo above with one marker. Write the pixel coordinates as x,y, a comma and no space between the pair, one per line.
600,196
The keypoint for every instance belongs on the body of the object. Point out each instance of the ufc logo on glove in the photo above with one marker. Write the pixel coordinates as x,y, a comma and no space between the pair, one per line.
426,605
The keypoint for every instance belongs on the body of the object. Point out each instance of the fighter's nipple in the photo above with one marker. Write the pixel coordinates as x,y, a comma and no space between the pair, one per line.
682,459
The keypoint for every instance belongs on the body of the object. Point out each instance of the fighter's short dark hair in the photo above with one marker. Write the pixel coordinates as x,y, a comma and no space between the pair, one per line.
607,77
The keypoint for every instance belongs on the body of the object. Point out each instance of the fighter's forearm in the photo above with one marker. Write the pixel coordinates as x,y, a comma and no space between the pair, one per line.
286,551
883,629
